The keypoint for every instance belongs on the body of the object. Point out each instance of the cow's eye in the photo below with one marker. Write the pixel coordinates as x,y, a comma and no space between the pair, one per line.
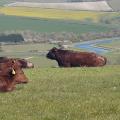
13,61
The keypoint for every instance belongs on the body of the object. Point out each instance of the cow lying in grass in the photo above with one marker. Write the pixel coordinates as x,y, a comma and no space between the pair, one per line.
24,63
15,64
68,58
10,74
7,82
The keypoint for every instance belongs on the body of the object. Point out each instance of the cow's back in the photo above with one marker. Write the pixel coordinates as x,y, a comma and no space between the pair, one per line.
82,59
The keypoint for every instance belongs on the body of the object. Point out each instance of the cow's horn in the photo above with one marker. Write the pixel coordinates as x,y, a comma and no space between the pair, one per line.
13,72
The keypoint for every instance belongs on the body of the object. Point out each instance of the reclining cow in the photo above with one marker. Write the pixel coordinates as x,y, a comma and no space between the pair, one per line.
19,76
68,58
10,74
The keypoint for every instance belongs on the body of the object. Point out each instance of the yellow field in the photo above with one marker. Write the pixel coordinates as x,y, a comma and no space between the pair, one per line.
52,13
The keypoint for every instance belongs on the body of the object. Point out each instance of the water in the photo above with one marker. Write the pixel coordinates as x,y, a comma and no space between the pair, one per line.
92,45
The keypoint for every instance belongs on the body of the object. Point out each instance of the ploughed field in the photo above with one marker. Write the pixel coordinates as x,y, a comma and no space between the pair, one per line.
65,94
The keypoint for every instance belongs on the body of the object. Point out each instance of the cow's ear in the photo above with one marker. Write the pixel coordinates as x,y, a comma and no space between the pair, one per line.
13,61
55,49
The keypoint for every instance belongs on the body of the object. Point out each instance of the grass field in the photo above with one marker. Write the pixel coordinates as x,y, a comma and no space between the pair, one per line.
114,55
65,94
59,93
36,53
55,13
113,44
8,23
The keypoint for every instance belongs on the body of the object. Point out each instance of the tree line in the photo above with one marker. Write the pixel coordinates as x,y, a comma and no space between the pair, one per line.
30,36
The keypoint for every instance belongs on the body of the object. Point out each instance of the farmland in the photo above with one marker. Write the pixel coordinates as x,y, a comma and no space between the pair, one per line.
8,23
59,93
53,20
92,93
55,13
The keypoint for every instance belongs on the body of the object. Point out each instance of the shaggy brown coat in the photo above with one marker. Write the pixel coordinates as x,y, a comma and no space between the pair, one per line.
19,77
68,58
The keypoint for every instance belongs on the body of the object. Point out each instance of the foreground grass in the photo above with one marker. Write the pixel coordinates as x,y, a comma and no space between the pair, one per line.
65,94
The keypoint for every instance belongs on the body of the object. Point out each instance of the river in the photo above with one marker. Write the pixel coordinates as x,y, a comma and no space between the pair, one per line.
92,45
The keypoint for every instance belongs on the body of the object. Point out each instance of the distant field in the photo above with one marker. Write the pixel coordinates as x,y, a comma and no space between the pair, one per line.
55,13
114,44
46,25
3,2
93,6
65,94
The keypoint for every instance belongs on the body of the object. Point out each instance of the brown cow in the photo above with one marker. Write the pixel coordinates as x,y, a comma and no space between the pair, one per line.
24,63
7,82
68,58
7,76
19,76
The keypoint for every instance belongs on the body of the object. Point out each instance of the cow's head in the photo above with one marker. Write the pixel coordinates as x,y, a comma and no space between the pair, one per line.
19,75
52,53
25,64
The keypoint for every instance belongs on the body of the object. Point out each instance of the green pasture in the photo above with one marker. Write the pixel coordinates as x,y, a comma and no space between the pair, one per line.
9,23
65,94
115,44
113,55
35,53
28,47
